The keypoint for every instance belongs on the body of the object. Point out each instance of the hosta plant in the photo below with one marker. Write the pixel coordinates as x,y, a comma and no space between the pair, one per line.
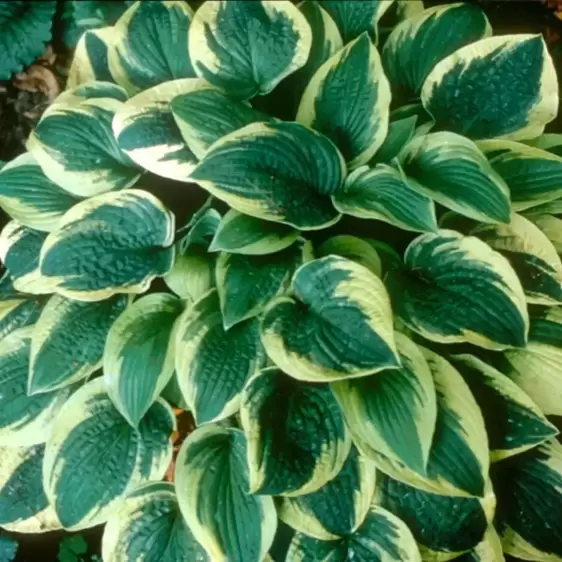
364,318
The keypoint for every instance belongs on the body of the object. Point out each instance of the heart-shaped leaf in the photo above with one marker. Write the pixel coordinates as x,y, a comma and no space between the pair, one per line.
117,242
211,479
336,324
297,437
213,364
447,278
246,48
465,92
83,494
358,129
303,169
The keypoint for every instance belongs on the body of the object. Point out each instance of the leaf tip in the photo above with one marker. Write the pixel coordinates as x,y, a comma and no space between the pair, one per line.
214,246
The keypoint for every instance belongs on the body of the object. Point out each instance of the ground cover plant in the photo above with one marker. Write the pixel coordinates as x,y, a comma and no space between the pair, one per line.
363,317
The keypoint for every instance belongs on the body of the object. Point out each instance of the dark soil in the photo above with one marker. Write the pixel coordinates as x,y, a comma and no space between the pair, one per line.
24,99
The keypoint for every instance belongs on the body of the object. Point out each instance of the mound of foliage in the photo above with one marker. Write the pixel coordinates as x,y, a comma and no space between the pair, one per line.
377,397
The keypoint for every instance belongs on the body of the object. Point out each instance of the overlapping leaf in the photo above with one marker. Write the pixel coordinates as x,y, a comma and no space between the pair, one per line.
68,340
22,497
536,368
75,147
351,248
418,43
459,456
303,169
551,227
443,526
213,364
514,423
211,479
117,242
20,248
529,488
206,114
139,353
455,173
24,420
29,197
355,18
247,48
193,272
382,193
400,132
489,549
382,536
354,72
91,91
455,288
326,42
145,129
532,256
149,524
91,58
336,324
533,175
238,233
393,412
465,92
83,494
551,142
18,311
297,437
336,509
92,14
149,45
246,284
